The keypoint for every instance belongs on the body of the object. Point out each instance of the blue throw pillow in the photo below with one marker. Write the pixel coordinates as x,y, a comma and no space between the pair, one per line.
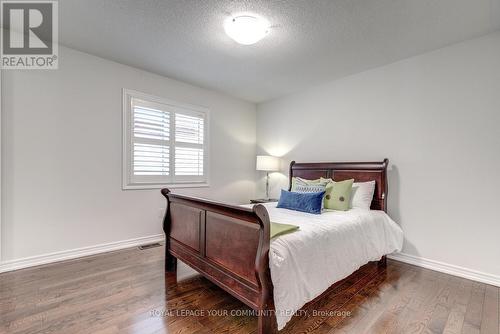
305,202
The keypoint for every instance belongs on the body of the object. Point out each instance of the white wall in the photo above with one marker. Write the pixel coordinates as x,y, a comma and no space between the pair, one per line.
61,155
1,205
437,118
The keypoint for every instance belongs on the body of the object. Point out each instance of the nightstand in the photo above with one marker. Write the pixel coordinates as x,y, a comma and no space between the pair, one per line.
263,200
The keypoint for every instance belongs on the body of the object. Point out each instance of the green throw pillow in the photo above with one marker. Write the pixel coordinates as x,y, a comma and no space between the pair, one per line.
338,194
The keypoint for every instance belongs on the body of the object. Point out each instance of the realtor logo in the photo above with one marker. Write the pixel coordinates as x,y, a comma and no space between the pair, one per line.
29,35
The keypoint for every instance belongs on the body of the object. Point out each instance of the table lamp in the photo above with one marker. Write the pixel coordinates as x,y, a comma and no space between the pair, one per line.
268,164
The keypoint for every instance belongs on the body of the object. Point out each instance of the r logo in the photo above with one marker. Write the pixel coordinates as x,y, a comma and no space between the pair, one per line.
29,34
29,28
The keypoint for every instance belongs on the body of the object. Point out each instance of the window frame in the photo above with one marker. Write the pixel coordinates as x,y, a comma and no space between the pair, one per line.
129,181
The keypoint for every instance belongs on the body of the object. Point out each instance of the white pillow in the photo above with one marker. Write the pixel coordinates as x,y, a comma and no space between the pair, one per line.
362,194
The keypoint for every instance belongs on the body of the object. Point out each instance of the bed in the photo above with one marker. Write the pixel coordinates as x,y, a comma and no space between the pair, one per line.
231,246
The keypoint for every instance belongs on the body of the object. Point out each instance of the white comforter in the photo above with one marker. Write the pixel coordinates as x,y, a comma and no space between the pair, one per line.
326,249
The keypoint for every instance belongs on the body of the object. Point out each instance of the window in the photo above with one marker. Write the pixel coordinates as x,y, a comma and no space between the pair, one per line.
165,143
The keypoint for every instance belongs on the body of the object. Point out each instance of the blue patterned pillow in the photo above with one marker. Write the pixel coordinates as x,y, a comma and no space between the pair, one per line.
304,202
309,188
303,187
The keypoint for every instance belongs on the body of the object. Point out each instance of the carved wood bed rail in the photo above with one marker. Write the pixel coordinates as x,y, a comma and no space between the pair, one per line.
229,245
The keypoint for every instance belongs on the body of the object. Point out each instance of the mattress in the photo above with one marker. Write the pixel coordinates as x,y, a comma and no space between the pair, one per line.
326,249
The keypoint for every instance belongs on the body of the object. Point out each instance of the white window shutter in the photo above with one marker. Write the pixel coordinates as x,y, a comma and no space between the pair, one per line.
150,123
188,161
150,159
150,142
189,129
165,143
189,148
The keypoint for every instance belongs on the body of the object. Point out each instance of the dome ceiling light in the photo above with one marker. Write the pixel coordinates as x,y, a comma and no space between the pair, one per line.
246,29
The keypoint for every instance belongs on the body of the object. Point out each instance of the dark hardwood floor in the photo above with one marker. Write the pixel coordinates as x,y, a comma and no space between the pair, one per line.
128,292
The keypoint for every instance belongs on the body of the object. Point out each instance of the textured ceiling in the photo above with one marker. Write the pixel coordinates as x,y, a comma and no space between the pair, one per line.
312,41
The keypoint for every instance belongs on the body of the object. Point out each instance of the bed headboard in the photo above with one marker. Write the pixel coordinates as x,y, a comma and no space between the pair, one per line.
339,171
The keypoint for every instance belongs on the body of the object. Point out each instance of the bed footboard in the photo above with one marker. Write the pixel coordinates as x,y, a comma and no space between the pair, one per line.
229,245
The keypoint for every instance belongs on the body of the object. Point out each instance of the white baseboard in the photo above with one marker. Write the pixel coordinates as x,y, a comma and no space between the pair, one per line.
77,253
113,246
447,268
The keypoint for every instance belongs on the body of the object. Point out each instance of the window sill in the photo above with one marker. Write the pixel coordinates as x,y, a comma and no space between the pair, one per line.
161,186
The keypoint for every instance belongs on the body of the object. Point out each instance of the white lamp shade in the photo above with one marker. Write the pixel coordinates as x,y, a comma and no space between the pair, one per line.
268,163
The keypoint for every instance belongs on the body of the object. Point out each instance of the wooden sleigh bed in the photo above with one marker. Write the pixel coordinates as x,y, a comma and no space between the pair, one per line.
229,244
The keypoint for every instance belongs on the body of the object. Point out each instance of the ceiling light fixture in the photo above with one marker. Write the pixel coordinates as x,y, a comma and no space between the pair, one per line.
246,29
